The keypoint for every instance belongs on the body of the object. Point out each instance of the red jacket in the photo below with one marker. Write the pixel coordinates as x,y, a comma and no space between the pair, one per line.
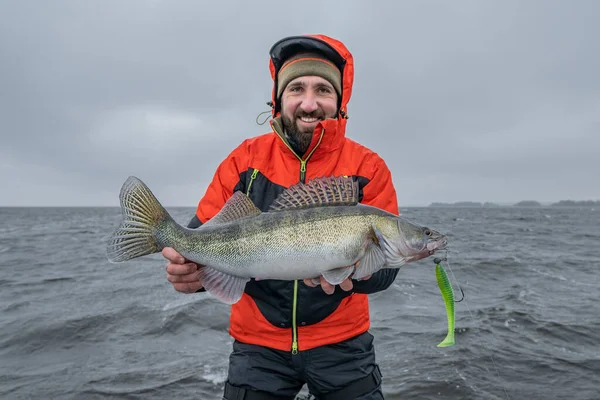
290,315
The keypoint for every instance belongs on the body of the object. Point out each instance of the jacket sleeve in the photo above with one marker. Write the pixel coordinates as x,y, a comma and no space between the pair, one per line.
379,192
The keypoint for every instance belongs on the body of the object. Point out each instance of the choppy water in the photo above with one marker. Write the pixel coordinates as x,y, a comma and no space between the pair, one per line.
73,325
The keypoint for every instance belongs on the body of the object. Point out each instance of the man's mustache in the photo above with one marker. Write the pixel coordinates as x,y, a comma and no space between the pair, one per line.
314,114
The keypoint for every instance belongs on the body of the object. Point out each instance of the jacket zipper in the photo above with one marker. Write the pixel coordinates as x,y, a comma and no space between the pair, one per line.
294,326
252,178
302,179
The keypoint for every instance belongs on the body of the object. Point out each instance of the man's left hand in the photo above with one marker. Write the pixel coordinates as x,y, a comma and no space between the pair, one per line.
328,288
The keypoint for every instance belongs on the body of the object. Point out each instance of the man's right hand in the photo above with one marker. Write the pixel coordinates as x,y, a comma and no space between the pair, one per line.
182,273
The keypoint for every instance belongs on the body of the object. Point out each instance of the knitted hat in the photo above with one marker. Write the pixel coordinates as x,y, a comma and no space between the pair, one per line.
304,64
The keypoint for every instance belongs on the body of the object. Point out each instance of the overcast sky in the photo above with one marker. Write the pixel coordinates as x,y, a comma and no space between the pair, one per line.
465,100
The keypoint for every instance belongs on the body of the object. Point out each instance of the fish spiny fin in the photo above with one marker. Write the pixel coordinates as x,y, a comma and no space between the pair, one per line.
238,206
325,191
225,287
338,275
142,213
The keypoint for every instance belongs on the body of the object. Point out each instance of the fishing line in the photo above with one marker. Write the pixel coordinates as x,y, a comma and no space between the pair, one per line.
438,261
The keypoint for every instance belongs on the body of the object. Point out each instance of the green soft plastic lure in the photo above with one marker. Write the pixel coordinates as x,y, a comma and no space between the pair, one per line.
448,296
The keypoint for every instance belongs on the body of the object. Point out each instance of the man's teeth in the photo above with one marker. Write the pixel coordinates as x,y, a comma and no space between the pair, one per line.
306,119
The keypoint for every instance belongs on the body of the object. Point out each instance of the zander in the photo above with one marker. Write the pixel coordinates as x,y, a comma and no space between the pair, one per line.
311,229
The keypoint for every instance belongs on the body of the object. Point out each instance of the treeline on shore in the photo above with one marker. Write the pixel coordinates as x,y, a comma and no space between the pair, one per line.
524,203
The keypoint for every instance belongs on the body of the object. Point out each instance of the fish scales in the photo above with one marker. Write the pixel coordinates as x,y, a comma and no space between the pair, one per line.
286,245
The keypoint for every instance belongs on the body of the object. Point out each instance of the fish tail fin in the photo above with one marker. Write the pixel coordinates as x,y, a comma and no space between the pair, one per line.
136,236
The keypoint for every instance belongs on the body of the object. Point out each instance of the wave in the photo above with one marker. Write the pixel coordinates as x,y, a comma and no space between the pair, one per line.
35,335
139,382
59,279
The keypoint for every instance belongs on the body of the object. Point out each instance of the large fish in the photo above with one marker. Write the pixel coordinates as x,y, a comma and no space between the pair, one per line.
312,229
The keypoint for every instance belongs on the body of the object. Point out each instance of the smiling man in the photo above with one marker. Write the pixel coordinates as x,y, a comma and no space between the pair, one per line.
309,87
291,333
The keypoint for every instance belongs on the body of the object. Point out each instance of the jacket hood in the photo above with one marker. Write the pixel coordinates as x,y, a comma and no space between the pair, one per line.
333,49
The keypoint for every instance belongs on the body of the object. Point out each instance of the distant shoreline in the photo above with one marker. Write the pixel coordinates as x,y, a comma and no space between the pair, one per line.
524,203
458,204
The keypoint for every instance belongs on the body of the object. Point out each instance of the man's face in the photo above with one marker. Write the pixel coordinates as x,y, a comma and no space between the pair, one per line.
304,102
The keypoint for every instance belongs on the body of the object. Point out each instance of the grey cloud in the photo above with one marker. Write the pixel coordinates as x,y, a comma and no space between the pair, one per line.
469,100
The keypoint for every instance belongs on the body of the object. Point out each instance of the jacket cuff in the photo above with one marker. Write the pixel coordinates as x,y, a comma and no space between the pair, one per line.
380,281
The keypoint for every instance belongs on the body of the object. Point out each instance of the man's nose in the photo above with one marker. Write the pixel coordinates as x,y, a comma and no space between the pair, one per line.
309,103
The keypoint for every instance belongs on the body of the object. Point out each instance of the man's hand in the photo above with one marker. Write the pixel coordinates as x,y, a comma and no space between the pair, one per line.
328,288
182,274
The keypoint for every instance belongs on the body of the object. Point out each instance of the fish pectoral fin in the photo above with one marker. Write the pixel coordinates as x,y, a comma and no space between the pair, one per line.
225,287
372,261
393,255
338,275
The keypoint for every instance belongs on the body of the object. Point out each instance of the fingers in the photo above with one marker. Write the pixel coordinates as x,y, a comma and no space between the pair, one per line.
347,285
184,273
182,269
309,282
173,256
327,287
184,277
191,287
178,265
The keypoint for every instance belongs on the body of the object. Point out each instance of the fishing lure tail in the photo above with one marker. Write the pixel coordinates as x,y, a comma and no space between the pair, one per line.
448,296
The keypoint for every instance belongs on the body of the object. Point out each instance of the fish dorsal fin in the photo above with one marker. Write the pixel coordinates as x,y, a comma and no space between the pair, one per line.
326,191
238,206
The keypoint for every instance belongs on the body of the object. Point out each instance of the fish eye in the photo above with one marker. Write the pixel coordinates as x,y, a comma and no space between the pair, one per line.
428,232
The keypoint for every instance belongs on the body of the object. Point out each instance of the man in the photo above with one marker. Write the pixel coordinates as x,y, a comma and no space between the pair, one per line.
291,333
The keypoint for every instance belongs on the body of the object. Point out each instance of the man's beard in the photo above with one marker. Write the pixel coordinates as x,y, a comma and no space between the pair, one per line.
297,138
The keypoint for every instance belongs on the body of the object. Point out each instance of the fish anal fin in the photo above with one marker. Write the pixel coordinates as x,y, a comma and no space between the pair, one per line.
227,288
338,275
324,191
238,206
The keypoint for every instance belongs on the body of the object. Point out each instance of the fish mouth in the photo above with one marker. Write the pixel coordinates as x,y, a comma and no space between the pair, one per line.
434,245
430,248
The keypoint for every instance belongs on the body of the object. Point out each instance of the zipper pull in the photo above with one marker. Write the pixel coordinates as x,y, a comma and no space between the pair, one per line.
302,170
294,347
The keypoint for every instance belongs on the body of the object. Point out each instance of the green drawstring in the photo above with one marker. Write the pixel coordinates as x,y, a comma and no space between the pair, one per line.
270,104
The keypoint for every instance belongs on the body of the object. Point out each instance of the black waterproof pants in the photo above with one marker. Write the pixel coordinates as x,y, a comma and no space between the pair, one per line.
345,370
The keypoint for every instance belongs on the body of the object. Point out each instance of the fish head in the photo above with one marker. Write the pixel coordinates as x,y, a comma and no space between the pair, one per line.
415,242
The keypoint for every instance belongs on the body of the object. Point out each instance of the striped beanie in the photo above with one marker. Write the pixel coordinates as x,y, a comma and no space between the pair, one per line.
304,64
